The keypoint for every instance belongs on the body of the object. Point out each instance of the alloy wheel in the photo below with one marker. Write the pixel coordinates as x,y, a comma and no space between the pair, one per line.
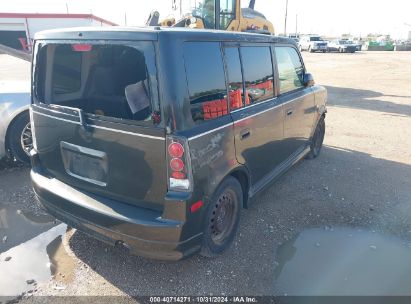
26,139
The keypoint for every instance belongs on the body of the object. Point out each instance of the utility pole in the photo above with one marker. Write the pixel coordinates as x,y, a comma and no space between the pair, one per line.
125,18
296,24
67,11
181,9
285,21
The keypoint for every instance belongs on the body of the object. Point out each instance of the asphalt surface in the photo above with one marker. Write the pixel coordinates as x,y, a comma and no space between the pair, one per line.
362,180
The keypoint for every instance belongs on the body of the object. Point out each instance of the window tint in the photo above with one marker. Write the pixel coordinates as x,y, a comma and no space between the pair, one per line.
258,74
290,69
235,79
66,70
205,80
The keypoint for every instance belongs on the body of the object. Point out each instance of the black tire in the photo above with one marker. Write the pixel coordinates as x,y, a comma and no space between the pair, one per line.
15,137
317,140
219,233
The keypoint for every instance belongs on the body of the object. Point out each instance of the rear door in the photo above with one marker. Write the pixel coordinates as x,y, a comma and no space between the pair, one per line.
96,119
298,101
257,114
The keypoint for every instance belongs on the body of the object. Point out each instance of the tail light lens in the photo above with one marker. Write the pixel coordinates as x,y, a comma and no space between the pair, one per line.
179,166
175,149
178,175
176,164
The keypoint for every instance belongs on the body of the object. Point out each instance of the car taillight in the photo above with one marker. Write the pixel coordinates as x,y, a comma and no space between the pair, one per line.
175,149
178,164
178,175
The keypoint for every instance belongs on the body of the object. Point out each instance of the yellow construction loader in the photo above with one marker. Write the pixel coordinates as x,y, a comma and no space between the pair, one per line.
214,14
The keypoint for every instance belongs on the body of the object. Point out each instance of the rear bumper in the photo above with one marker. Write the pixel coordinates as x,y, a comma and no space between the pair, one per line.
141,230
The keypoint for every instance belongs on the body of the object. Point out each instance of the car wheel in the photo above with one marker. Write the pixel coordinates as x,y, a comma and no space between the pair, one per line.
309,49
222,218
317,140
20,139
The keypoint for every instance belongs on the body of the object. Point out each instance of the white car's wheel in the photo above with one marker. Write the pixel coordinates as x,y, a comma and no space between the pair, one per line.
20,139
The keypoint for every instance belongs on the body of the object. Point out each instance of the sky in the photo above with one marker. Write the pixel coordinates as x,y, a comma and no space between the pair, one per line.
324,17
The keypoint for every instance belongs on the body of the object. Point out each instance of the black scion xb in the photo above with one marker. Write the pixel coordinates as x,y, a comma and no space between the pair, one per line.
155,138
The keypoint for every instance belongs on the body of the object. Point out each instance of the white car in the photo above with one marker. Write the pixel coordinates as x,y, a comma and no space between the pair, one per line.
312,43
15,131
342,46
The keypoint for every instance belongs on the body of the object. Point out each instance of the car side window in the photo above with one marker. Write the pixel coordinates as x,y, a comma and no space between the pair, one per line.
290,69
227,13
205,80
257,73
235,78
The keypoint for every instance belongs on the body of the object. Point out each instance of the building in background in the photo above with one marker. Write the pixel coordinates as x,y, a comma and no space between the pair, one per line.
17,29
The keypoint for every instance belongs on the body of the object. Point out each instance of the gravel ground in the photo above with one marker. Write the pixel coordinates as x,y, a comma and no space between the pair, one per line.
362,179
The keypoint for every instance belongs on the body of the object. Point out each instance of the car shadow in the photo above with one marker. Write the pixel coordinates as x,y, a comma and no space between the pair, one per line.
367,100
340,188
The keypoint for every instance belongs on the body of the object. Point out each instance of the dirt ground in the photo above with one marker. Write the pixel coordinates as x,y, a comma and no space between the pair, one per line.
361,181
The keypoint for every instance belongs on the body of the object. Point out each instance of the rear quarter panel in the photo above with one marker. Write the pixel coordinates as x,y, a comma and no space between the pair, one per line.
212,153
320,94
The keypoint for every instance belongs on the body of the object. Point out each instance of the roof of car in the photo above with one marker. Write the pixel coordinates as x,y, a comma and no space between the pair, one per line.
152,33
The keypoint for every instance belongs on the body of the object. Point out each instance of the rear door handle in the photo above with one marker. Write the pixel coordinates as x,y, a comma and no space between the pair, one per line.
245,134
289,112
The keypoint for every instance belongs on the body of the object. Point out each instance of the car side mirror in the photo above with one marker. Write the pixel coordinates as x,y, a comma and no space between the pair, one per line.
308,80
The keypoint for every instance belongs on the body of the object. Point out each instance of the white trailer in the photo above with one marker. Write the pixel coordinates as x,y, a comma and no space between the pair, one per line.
17,29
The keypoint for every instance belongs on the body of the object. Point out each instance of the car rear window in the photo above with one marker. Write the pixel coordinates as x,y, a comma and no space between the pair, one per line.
66,70
205,80
105,80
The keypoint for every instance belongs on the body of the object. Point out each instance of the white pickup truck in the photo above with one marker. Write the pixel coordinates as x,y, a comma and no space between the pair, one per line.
312,43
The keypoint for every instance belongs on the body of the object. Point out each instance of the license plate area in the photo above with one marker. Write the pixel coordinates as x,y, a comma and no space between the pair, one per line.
84,163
